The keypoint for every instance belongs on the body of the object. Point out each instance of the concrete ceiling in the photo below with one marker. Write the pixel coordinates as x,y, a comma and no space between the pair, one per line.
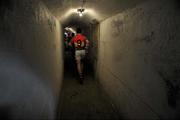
95,10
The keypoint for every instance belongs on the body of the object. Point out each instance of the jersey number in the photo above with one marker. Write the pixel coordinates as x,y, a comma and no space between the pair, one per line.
80,44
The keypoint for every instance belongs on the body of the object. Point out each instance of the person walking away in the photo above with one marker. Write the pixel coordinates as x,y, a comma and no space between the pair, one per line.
81,44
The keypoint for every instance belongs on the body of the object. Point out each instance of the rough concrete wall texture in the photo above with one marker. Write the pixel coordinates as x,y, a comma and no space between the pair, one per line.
139,60
30,29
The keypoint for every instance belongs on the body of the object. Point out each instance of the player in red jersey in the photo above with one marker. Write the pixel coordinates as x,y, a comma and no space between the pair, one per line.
81,44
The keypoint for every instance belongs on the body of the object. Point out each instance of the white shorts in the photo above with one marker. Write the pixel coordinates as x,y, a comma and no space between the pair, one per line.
80,54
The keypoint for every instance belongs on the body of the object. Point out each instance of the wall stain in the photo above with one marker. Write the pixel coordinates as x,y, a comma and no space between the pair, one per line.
117,25
147,39
172,85
51,23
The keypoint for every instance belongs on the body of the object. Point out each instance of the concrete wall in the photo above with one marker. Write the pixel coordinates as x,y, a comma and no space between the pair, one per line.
93,48
31,61
138,60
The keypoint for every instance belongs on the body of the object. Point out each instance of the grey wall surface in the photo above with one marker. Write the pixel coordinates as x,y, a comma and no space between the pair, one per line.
138,62
31,61
93,47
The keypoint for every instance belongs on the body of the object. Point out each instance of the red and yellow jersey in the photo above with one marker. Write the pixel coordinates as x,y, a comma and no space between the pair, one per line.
79,41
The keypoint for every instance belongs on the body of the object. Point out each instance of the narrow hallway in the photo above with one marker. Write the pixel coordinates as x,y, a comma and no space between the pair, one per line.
85,101
134,53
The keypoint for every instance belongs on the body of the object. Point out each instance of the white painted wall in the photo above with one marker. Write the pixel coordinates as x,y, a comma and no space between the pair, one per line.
138,62
31,61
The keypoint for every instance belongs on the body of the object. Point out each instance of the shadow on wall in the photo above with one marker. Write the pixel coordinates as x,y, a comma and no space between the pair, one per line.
23,93
5,4
173,86
177,3
5,112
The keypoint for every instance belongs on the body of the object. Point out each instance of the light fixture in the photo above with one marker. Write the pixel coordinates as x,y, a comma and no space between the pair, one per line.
80,11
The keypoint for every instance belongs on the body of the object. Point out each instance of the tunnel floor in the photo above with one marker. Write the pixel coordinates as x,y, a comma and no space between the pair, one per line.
85,101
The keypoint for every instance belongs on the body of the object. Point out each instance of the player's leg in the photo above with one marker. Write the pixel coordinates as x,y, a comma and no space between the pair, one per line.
78,62
82,63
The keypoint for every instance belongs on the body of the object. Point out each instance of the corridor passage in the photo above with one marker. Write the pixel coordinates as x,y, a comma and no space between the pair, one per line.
83,102
132,69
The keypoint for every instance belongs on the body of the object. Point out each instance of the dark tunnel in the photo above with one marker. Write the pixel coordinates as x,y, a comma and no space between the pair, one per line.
131,68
